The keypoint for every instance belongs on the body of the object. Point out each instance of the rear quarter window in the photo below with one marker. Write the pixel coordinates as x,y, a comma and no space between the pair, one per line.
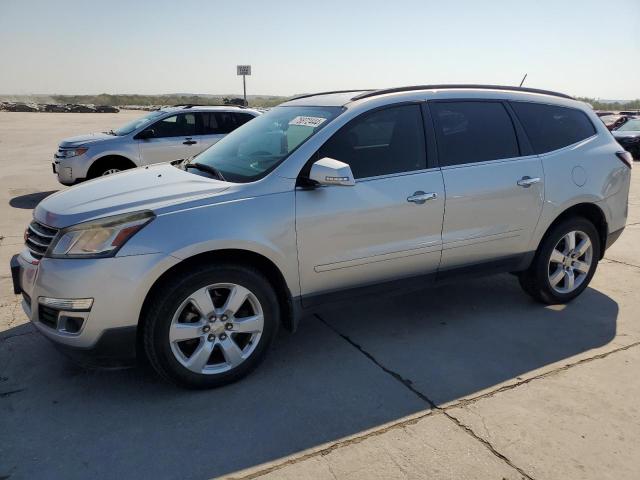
550,127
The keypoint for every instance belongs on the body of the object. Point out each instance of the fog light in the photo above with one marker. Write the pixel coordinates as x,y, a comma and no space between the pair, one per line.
68,304
70,324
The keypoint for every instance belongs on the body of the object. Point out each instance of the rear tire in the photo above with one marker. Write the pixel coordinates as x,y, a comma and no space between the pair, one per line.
565,262
211,326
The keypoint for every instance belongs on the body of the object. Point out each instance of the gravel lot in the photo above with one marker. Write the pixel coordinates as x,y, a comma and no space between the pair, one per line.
472,380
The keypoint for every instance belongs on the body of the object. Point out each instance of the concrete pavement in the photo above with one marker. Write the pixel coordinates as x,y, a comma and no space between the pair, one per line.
470,380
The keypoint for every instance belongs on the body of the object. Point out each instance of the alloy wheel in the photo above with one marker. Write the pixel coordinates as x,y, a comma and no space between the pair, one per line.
570,262
216,328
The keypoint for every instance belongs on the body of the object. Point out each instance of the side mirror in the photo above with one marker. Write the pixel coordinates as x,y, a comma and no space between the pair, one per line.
145,134
328,171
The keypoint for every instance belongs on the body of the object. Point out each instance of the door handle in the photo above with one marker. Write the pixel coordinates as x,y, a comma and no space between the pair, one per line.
421,197
188,141
527,181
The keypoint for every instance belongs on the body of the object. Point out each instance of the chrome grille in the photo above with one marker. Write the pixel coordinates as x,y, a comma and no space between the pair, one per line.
38,237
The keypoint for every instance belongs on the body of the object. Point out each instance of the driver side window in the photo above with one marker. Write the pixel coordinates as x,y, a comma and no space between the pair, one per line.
182,125
382,142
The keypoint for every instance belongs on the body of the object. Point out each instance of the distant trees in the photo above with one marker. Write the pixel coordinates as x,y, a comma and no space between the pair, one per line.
146,100
254,101
615,106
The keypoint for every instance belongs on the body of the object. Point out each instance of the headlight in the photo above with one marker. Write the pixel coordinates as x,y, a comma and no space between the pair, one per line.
72,152
98,238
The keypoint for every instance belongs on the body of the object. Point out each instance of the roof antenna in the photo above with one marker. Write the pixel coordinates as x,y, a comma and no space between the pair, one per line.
525,76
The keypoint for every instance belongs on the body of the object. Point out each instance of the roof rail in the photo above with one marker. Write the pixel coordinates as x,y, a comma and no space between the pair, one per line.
191,105
375,93
307,95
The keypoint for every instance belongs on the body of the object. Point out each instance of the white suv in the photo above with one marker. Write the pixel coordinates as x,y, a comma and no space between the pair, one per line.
161,136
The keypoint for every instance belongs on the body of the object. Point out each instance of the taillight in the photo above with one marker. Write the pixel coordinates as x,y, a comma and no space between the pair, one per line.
626,157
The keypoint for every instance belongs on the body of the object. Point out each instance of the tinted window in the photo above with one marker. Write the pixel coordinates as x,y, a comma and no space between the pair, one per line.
242,118
218,123
382,142
469,132
183,125
550,127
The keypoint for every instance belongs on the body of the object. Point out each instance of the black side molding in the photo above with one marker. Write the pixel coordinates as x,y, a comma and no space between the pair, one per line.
116,348
15,275
612,237
512,263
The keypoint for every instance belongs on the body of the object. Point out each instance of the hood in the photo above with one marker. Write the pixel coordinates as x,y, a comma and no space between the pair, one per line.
626,134
147,188
86,139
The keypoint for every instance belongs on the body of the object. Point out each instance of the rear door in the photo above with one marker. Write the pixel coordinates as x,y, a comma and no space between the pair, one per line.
493,182
175,138
385,227
215,125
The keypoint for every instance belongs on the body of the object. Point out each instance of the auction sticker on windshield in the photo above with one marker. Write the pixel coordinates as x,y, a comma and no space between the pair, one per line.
307,121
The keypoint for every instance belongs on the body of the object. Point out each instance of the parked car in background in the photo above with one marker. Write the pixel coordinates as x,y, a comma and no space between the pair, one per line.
19,107
614,121
55,108
322,198
161,136
628,136
107,109
79,108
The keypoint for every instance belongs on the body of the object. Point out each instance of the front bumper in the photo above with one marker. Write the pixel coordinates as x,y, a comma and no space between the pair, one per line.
70,170
118,287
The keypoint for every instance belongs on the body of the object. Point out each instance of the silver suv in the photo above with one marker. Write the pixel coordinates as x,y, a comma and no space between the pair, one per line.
161,136
323,198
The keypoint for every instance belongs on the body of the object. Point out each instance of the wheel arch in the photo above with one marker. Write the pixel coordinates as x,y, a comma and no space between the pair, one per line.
238,257
109,159
591,212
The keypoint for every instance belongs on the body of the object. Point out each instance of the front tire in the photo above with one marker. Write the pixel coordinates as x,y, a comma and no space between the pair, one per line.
109,165
565,262
210,326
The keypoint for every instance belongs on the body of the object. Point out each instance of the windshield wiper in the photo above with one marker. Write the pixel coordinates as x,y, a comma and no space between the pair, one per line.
111,132
206,168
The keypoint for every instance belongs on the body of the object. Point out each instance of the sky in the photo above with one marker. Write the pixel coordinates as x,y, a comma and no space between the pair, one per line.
584,48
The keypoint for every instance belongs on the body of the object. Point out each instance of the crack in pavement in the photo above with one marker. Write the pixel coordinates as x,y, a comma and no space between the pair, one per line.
30,332
408,384
467,401
11,392
435,410
621,262
334,446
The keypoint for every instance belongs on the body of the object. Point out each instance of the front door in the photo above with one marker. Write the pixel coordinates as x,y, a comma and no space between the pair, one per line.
385,227
175,138
495,189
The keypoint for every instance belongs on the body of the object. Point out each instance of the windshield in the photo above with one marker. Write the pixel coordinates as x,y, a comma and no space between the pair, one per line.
256,148
133,125
630,126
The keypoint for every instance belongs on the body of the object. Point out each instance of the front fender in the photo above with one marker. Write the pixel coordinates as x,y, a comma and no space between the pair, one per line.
264,225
